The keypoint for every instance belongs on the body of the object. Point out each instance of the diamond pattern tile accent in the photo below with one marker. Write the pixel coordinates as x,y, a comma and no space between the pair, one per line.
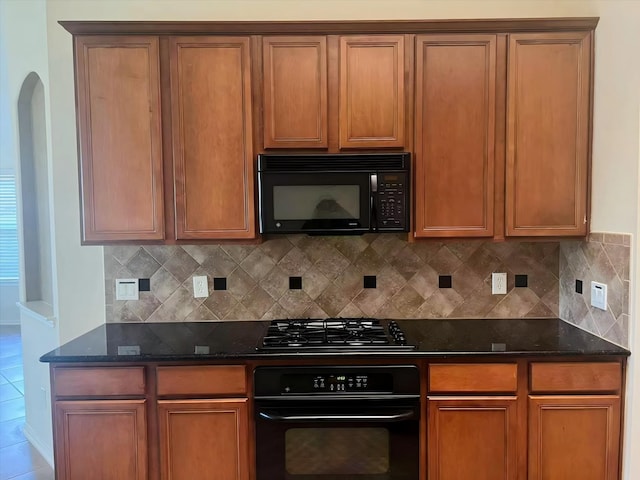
332,270
257,302
258,264
239,283
219,263
220,303
123,253
181,265
143,264
603,257
163,284
294,263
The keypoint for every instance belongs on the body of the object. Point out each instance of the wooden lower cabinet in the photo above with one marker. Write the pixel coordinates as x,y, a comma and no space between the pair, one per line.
101,439
472,438
204,439
575,436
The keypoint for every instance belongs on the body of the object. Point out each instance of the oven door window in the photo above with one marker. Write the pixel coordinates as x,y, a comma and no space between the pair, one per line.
337,451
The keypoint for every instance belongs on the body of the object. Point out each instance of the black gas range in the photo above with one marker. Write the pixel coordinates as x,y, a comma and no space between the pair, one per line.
334,334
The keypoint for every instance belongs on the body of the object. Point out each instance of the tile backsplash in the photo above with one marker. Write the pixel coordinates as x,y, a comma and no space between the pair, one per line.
604,258
299,276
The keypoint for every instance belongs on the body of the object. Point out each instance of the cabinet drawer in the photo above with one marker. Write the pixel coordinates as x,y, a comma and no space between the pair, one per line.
575,377
98,382
197,380
479,377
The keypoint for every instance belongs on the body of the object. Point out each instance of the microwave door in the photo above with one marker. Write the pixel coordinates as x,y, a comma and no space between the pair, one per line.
329,202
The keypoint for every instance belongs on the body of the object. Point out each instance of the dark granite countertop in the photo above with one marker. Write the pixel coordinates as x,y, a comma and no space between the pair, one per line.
210,341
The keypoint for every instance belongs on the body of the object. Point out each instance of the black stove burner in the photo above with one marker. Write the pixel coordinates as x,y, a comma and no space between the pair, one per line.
334,334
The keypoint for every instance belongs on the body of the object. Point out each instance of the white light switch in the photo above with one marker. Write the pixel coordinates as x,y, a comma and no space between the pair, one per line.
126,289
599,295
200,287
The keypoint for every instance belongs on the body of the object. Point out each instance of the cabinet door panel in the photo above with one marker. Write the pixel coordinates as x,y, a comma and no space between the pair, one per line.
455,125
371,91
211,103
119,138
295,92
549,78
574,437
204,439
472,438
104,439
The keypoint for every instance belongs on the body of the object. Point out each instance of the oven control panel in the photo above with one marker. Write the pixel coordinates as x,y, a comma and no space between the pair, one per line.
315,381
341,383
332,383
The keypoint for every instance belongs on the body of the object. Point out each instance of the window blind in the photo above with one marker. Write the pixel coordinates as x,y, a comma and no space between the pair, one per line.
9,262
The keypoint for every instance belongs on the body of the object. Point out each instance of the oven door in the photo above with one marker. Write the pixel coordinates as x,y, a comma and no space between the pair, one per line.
337,440
315,202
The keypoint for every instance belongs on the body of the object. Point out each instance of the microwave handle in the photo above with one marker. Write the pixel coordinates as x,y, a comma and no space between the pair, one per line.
373,214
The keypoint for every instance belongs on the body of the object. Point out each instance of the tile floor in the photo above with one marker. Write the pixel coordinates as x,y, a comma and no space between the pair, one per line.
18,459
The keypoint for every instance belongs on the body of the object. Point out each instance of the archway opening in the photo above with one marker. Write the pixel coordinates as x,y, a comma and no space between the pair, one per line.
34,182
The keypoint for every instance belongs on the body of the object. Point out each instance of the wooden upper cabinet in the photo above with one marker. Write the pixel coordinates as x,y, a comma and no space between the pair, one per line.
119,137
455,135
548,108
295,92
371,98
212,137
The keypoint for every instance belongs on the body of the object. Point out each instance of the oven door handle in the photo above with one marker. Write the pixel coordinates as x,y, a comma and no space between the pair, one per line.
328,417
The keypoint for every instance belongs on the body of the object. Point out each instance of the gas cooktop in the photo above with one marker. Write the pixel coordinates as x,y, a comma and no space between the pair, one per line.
342,334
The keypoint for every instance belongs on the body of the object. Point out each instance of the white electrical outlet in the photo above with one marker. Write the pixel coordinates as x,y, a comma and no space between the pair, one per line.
200,287
599,295
499,283
126,289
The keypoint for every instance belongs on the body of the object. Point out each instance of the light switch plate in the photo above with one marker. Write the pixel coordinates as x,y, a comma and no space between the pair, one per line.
127,289
599,295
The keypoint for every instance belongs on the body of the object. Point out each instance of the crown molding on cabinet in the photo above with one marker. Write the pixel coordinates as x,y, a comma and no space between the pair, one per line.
505,25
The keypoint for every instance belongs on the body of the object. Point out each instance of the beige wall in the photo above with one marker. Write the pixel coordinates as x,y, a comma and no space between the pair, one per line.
615,159
23,40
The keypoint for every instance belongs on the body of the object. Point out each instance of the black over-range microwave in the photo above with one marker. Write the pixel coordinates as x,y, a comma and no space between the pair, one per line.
334,194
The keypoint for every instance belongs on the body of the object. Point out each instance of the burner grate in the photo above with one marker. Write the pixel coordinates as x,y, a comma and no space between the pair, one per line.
333,333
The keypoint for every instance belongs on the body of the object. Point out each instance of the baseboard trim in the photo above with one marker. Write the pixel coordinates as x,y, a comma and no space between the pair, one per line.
45,451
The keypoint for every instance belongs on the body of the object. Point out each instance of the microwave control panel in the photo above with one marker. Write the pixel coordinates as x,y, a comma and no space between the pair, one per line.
391,200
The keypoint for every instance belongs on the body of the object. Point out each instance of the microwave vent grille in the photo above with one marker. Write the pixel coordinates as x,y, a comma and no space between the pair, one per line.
342,162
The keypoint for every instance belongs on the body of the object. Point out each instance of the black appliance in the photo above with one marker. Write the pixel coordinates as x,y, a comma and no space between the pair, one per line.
334,334
334,194
337,422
